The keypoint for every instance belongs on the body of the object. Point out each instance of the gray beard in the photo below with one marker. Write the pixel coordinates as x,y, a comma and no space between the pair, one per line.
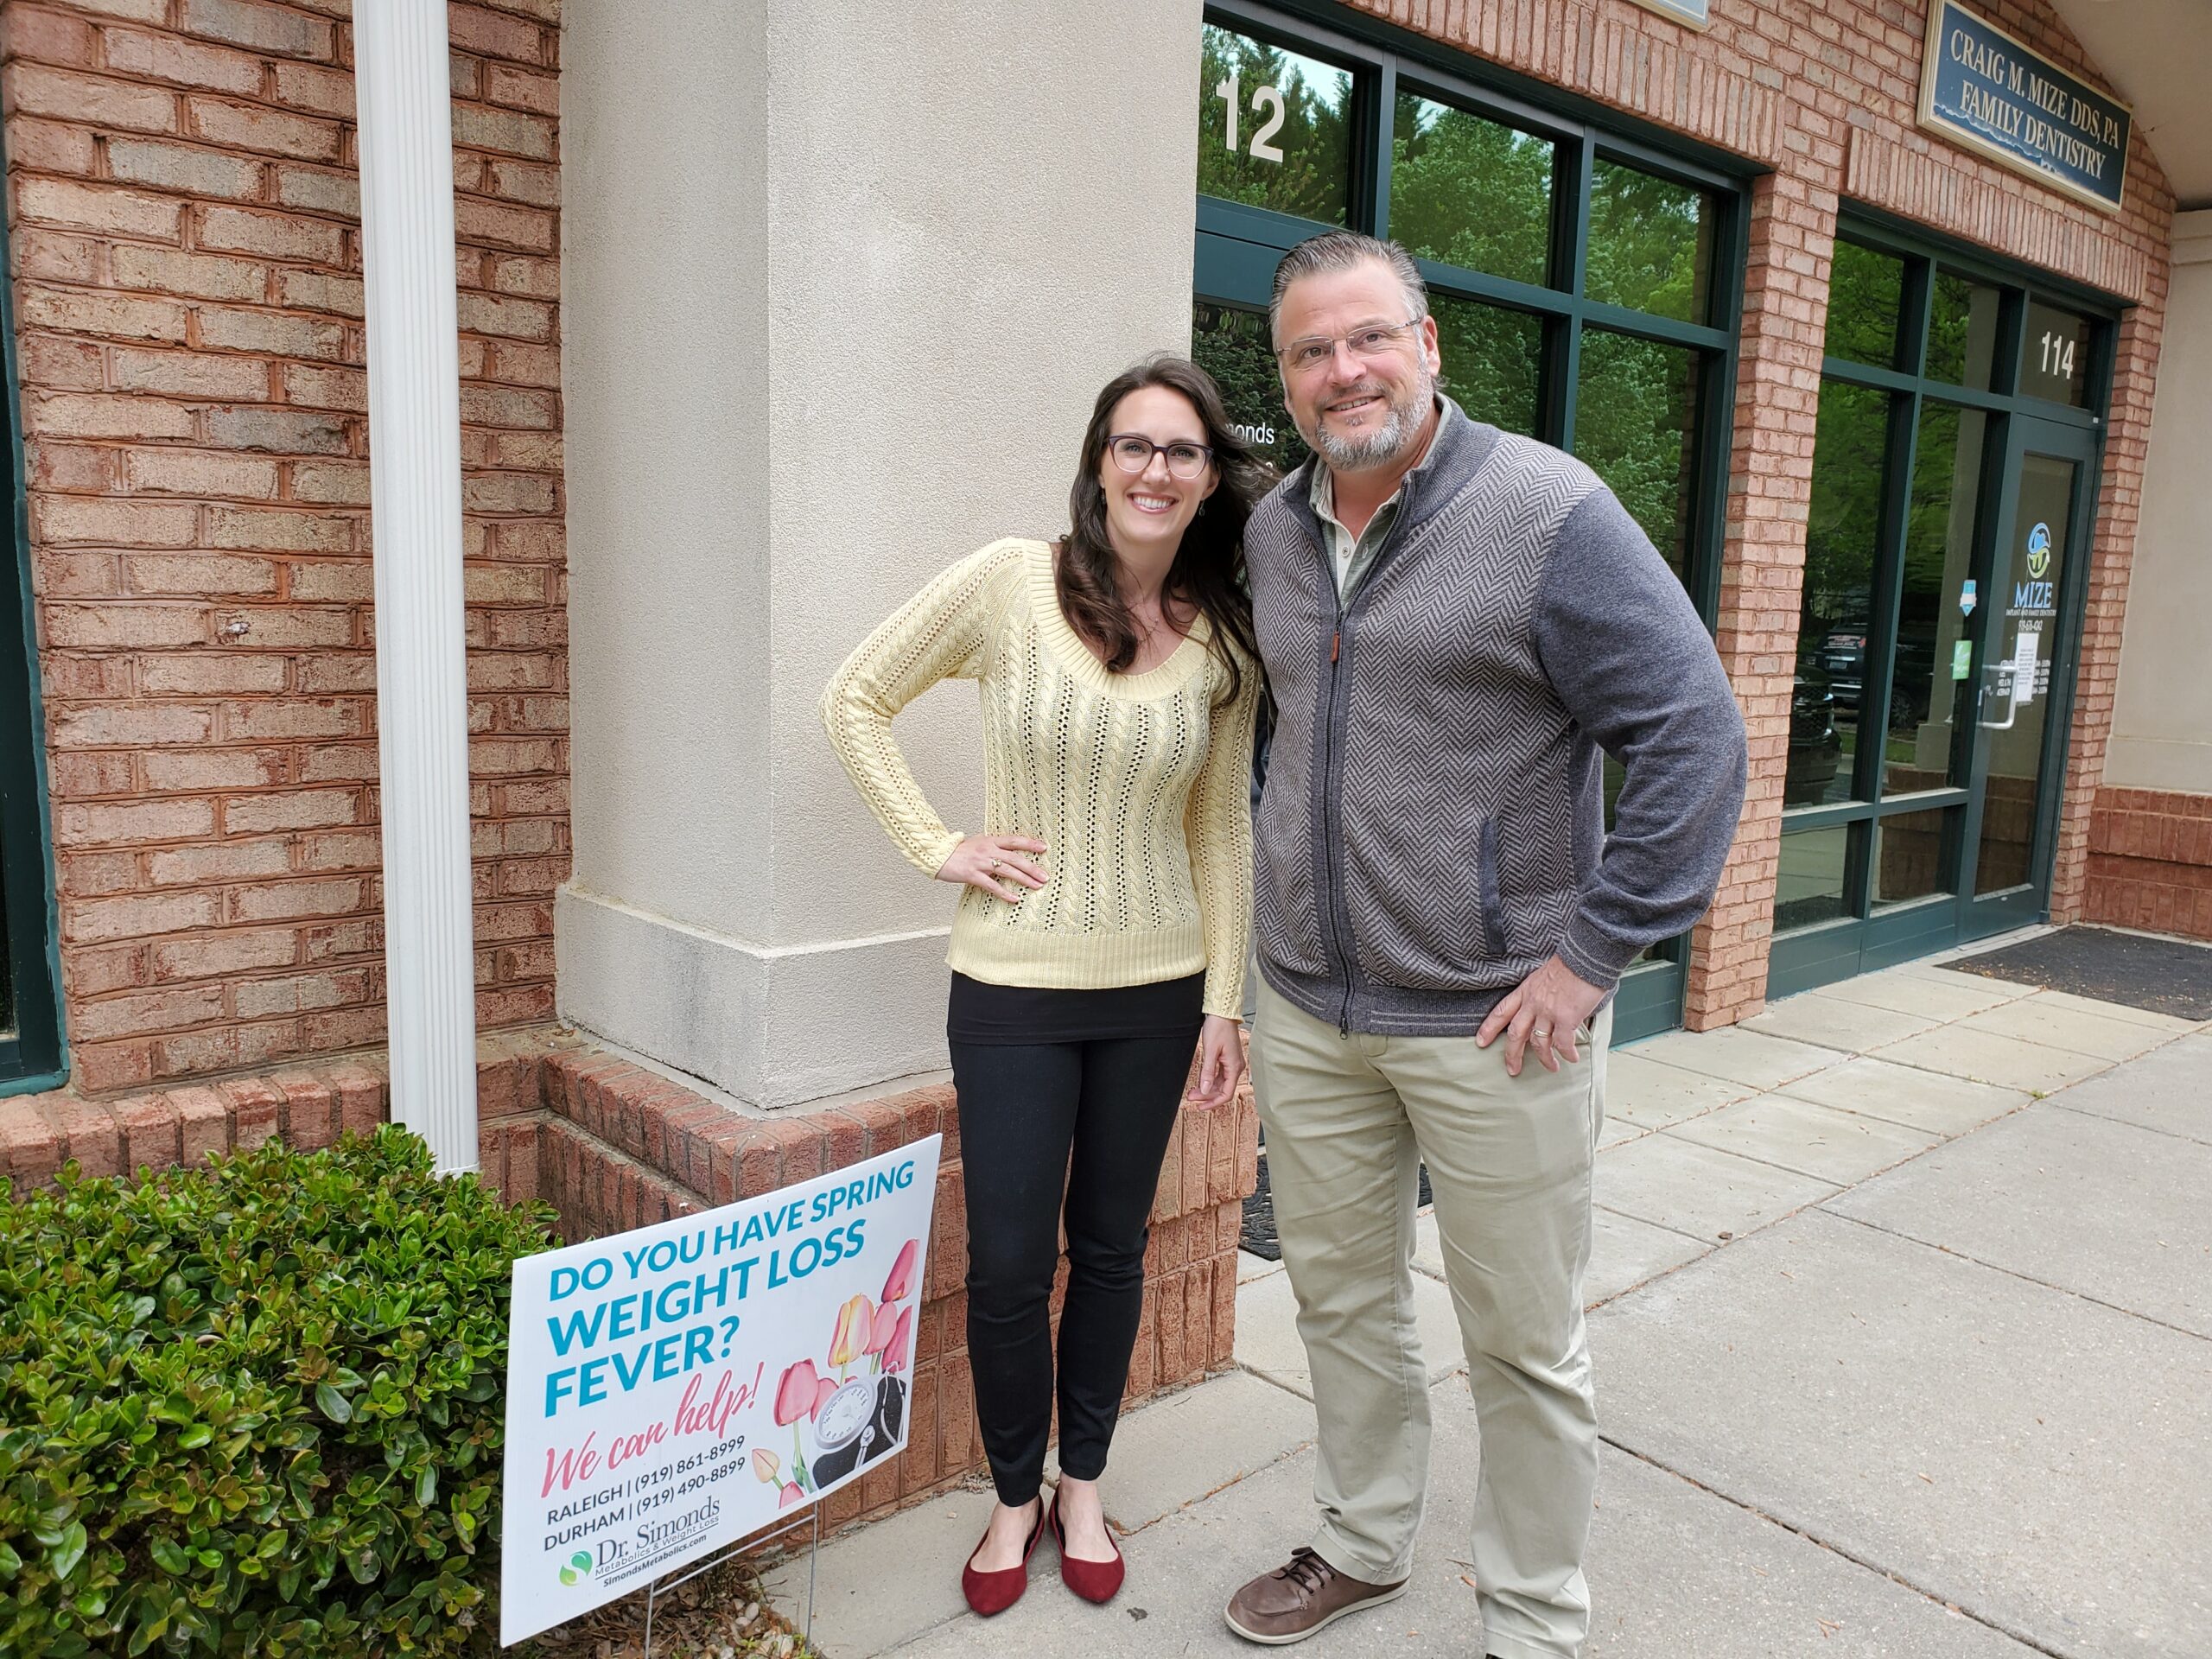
1385,444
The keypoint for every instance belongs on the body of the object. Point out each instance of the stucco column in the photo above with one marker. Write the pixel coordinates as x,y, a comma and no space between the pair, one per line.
402,88
840,283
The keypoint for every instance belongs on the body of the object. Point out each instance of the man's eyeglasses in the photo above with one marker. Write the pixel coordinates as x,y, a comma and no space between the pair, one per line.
1369,340
1133,453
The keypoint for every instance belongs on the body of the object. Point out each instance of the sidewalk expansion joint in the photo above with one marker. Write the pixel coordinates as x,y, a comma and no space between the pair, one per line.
1985,1620
2083,1111
2014,1273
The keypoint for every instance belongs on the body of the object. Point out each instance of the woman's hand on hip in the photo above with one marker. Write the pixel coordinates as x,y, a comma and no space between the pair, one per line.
1221,1063
990,863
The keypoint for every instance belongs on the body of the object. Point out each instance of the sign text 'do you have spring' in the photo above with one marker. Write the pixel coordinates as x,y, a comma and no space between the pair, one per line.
1981,88
672,1390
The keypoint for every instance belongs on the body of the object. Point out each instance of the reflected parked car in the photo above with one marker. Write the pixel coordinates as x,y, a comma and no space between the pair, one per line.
1815,745
1843,661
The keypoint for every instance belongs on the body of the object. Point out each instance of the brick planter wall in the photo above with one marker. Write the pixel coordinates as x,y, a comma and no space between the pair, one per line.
185,227
2150,863
612,1145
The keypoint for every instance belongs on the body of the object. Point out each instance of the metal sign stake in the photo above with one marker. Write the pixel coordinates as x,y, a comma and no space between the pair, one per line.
811,1521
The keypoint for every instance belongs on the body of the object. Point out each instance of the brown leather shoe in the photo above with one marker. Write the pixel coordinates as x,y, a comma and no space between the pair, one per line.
1301,1597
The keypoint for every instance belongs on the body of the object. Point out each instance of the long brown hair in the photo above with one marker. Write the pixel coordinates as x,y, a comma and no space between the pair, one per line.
1207,574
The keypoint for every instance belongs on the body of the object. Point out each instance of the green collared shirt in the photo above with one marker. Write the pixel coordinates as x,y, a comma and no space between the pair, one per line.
1350,556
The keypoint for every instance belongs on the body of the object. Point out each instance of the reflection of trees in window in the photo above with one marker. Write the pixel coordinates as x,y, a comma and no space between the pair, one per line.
1650,243
1491,360
1312,179
1231,345
1635,424
1843,519
1961,330
1468,192
1865,294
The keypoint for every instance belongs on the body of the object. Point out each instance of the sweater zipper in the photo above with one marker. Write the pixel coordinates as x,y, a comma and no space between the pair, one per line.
1332,813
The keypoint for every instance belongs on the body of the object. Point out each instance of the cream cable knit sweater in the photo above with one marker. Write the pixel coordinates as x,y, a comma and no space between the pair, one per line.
1139,787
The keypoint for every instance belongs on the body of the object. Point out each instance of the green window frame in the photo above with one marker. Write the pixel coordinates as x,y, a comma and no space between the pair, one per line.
1574,314
1869,933
32,1054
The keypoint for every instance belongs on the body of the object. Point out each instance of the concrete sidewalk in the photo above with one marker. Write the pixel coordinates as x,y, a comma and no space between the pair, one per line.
1903,1338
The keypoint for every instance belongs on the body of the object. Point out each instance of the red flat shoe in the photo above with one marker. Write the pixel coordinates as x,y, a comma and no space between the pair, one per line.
994,1592
1092,1580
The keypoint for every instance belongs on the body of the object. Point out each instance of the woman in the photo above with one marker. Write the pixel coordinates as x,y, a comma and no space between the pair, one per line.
1103,913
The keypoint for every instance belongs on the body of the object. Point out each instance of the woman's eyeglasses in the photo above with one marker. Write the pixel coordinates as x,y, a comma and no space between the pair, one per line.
1133,453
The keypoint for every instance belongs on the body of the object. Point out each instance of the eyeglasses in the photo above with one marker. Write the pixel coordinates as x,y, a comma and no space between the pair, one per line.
1369,340
1133,453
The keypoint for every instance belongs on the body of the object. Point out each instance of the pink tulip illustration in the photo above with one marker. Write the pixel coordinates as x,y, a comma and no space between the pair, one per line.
901,1281
767,1469
792,1495
902,1337
880,1331
798,1394
855,1320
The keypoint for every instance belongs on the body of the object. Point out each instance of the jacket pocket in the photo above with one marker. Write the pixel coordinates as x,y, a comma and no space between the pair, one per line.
1286,907
1493,903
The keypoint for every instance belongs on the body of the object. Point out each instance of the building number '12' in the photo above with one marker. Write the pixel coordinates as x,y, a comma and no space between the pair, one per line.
1262,97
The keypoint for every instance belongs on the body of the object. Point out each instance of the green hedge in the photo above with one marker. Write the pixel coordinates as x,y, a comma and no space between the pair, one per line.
256,1407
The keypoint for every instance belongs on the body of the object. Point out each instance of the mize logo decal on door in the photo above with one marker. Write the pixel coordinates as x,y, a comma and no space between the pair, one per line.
2035,593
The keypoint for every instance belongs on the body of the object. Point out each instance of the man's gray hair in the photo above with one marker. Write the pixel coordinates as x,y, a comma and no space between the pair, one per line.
1342,250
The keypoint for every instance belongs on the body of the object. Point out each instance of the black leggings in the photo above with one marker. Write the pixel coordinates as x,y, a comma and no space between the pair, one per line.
1099,1113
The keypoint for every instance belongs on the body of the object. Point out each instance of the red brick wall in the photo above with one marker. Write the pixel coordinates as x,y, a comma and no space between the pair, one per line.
185,230
2149,861
1824,92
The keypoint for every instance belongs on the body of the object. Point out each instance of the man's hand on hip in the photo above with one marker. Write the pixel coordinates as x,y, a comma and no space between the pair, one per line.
1542,1013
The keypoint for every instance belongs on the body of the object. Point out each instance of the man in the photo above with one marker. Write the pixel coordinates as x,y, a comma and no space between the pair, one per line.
1455,622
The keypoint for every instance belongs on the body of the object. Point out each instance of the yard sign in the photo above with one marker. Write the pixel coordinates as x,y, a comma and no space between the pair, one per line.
671,1390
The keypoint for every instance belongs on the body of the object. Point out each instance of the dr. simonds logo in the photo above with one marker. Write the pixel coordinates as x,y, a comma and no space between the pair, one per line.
576,1569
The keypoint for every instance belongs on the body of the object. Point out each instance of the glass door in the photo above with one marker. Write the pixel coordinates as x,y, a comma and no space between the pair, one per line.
2023,674
1953,482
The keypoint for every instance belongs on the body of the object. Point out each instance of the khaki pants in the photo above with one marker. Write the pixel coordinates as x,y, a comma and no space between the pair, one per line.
1349,1118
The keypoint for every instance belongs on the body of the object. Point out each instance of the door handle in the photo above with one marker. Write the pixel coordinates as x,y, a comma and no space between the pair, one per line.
2011,698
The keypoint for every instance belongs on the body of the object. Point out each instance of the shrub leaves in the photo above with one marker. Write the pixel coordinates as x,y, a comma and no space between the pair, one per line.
255,1407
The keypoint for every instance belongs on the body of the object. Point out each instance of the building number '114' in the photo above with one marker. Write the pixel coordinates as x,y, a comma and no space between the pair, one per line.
1262,97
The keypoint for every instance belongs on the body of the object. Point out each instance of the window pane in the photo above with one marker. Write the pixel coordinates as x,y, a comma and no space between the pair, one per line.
2057,360
1231,345
1961,331
1492,360
1469,192
1866,298
1274,129
1636,425
1650,243
1835,609
1809,888
1931,685
1908,856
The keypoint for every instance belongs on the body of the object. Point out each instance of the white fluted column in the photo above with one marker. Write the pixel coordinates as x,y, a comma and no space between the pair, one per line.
402,91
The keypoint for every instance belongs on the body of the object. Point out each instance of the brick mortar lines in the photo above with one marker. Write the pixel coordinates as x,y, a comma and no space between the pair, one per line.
187,295
2149,864
1823,93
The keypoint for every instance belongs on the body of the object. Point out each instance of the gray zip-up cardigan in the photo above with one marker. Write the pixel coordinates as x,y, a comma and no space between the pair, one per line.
1432,823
